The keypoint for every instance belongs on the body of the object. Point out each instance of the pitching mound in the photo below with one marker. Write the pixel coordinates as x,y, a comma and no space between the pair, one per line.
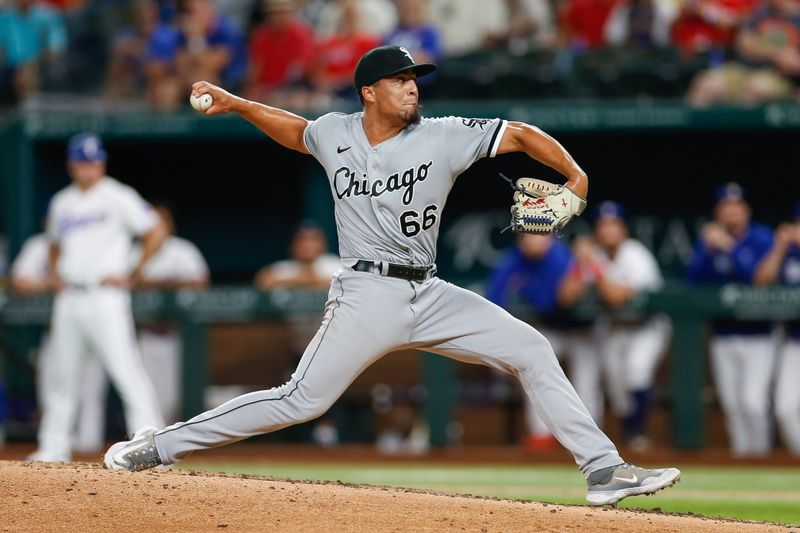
85,497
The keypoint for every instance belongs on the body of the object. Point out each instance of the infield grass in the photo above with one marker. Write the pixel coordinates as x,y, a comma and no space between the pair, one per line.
748,493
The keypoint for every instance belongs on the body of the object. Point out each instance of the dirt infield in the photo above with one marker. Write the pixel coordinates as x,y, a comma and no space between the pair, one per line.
85,497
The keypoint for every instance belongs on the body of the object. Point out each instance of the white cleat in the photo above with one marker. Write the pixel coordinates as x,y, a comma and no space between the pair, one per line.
139,453
610,485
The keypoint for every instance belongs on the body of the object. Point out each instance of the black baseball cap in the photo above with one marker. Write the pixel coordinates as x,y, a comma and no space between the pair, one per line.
386,61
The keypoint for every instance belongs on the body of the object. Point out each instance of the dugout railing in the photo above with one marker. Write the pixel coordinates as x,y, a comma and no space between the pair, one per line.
690,308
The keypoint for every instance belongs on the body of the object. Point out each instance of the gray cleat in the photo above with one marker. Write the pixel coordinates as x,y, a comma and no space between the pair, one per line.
612,484
139,453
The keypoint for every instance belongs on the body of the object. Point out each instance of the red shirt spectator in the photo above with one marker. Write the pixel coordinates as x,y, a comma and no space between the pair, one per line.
585,22
705,24
279,53
338,55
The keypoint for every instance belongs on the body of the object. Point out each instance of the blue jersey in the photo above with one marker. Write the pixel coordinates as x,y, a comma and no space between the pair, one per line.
790,275
737,266
535,282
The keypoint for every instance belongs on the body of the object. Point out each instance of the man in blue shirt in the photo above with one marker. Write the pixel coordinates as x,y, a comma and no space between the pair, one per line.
534,273
416,35
30,33
742,353
782,265
203,46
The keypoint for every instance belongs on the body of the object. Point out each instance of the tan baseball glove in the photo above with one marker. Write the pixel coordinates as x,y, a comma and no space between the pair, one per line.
543,208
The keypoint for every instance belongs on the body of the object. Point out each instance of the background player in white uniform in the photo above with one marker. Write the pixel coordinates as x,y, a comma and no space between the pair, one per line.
310,265
90,225
390,173
177,265
631,348
782,265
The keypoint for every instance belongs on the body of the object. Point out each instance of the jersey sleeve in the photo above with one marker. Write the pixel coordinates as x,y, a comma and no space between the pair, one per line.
193,264
138,216
51,223
645,275
32,259
315,131
470,139
746,262
700,267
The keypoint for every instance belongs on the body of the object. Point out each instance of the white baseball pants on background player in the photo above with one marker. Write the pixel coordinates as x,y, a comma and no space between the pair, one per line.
787,394
630,355
90,429
89,432
367,316
162,355
96,320
742,366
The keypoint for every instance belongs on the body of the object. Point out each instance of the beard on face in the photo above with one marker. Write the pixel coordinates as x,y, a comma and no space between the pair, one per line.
413,116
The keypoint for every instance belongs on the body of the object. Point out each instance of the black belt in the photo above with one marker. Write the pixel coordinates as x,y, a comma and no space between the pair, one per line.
410,273
80,286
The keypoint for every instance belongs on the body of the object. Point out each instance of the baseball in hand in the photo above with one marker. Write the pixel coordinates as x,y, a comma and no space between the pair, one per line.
202,102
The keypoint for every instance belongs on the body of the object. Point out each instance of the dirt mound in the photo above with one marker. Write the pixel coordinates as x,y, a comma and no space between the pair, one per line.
85,497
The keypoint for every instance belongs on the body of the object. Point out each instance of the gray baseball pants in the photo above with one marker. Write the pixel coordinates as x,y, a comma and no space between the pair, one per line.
367,316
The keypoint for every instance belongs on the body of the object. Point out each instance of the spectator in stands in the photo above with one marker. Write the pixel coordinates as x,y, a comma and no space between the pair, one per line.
281,50
631,346
641,24
539,272
125,77
742,353
527,24
782,265
768,66
373,17
310,267
414,33
336,56
706,25
466,25
584,23
33,39
202,46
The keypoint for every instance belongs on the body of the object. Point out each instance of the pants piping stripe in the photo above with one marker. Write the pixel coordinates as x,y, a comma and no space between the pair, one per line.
296,385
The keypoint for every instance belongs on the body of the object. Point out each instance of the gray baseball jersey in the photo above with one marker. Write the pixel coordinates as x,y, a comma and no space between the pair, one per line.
389,200
389,197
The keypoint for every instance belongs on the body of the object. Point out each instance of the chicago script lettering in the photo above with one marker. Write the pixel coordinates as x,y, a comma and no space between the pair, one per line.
347,182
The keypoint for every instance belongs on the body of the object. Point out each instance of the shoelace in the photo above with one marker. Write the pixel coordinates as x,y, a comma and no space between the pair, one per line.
142,458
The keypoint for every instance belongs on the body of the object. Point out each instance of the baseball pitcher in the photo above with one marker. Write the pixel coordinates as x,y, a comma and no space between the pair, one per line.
390,172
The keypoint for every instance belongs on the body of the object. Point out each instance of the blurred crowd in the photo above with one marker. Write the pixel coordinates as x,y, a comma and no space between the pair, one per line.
301,53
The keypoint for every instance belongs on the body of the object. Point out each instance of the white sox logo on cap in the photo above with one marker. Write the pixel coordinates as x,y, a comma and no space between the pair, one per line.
407,53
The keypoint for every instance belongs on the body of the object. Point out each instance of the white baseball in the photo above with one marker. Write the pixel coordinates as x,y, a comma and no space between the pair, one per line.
202,102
